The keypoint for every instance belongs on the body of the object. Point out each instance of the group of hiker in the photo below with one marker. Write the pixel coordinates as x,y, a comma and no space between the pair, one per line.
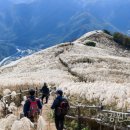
33,106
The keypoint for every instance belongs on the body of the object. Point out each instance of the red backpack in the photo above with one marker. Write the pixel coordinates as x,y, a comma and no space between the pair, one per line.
33,110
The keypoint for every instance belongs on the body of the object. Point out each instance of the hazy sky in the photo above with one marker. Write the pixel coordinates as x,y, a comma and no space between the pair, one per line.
80,1
30,1
22,1
83,3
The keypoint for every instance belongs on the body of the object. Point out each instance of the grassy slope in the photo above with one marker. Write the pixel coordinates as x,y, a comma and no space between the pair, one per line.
95,74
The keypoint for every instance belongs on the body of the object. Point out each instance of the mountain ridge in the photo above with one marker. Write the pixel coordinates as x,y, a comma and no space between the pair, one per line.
82,72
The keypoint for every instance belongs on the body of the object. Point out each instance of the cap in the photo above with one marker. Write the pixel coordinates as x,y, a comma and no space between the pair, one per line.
59,92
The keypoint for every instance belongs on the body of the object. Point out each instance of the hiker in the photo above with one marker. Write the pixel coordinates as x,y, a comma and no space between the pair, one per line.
61,107
45,92
32,107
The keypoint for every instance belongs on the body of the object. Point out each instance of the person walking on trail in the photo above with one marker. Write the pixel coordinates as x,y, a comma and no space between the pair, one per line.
45,92
61,107
32,107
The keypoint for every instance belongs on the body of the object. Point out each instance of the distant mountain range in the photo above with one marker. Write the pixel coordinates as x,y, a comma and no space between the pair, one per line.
36,24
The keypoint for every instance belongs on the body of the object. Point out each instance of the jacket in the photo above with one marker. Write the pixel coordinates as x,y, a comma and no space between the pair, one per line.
45,90
56,104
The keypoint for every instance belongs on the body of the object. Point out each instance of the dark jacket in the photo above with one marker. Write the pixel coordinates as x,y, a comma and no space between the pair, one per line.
45,90
27,105
56,104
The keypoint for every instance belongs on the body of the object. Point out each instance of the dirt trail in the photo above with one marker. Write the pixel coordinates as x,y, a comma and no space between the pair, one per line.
47,115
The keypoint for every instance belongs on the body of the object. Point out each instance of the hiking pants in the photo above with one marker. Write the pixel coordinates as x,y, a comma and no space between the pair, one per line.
33,119
59,123
45,96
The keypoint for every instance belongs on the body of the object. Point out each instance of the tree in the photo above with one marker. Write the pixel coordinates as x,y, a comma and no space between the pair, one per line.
107,32
118,37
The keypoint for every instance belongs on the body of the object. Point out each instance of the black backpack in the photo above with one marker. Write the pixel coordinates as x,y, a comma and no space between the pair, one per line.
63,108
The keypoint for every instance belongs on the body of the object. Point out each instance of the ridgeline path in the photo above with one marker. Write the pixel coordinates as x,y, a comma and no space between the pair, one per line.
47,115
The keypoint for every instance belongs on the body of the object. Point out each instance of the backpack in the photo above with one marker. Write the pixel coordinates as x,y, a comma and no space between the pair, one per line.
45,91
63,108
33,110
